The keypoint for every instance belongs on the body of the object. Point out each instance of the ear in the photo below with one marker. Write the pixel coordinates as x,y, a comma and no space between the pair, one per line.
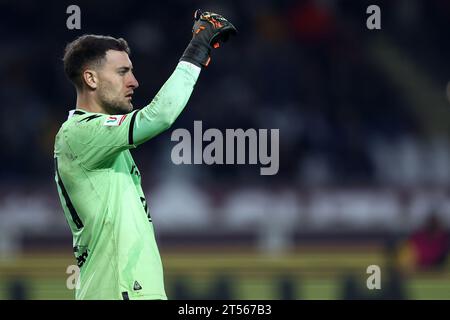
90,78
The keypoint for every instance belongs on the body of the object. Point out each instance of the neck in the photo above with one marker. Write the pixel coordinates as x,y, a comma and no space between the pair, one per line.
87,102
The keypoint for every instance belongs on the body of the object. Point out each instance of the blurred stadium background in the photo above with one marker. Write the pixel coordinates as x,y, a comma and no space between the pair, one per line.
364,119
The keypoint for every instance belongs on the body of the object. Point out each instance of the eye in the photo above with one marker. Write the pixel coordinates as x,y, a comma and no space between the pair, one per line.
123,71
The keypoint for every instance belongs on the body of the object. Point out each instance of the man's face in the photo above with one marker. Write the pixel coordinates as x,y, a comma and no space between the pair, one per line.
116,83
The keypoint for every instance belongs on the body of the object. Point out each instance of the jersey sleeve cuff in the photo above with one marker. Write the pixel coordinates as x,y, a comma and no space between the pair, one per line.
190,67
131,129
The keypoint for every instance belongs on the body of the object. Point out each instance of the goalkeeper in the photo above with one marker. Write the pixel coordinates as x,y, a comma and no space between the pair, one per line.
99,184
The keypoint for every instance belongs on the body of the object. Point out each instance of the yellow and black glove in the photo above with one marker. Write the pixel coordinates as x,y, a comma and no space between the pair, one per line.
209,31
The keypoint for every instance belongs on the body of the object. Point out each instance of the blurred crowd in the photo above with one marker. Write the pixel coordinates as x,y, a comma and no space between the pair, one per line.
309,68
364,124
304,67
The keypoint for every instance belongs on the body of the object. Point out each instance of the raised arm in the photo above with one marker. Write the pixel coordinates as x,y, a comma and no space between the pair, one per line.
209,31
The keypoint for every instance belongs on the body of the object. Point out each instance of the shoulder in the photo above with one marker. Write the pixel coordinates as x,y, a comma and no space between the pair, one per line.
84,125
98,129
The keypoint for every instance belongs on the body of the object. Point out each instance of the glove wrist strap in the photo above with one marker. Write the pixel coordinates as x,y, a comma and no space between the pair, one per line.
197,53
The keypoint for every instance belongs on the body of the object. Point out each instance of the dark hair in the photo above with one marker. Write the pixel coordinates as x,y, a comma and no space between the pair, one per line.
87,50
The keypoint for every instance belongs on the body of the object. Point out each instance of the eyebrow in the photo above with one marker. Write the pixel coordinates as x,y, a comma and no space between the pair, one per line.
124,68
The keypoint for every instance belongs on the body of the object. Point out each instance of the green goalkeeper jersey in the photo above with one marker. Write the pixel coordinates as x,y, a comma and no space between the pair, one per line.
99,186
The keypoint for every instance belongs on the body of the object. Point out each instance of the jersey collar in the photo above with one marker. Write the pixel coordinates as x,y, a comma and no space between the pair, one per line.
75,112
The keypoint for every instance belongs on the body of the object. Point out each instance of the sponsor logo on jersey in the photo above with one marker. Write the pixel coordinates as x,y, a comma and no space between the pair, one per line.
114,121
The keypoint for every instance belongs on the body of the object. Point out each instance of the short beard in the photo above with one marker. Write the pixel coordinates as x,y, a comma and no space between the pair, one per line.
113,107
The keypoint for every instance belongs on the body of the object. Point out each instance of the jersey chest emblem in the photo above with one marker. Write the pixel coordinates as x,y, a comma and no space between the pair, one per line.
114,121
